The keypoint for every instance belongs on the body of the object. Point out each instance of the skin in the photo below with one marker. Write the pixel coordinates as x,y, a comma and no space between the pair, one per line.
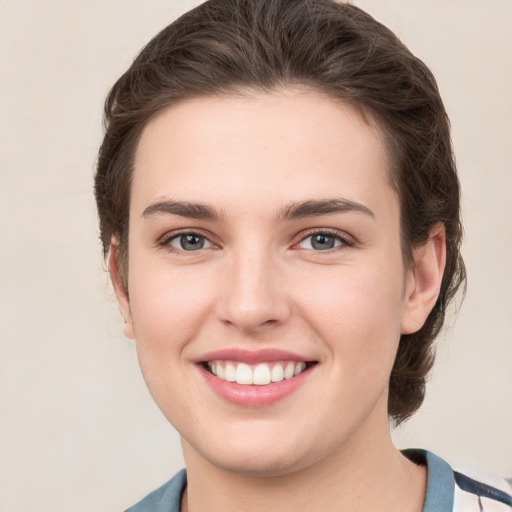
259,283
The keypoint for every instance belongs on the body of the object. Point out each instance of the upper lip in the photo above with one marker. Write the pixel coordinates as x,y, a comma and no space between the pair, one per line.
252,356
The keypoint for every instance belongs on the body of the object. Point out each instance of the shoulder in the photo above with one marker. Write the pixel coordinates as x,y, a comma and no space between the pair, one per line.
453,491
166,498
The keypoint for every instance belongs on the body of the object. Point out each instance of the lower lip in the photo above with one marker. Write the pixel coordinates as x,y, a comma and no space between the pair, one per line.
254,396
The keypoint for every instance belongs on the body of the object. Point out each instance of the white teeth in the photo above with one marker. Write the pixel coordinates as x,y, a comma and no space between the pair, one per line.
289,371
299,368
230,372
277,373
259,375
243,374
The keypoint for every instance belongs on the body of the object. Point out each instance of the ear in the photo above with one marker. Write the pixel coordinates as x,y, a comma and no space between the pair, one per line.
423,281
120,290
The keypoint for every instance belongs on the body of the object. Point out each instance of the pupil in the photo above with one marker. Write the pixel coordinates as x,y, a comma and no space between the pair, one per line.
191,242
322,242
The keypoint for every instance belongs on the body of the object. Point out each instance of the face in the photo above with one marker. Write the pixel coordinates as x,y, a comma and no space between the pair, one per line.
267,292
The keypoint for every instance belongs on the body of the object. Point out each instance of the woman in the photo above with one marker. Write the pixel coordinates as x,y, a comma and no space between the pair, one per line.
280,211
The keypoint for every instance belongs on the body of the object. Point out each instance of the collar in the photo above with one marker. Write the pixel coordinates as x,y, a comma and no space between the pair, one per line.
440,480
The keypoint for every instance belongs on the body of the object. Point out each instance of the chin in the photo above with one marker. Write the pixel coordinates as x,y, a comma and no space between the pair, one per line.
258,465
265,456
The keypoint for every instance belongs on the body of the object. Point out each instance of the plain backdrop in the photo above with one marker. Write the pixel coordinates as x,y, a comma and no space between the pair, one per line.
78,428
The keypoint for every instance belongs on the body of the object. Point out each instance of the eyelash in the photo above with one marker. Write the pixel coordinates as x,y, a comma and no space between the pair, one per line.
166,240
346,242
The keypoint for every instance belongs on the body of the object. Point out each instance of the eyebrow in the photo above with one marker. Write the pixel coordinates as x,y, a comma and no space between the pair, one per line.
292,211
314,208
184,209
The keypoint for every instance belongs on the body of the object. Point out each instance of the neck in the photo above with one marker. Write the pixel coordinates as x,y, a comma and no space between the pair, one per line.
376,477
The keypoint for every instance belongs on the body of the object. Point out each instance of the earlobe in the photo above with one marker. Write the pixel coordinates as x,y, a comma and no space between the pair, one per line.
120,290
423,281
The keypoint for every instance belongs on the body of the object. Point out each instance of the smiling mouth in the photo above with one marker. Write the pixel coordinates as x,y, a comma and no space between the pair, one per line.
260,374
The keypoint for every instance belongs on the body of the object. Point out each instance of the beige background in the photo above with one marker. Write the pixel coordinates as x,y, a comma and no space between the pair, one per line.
78,428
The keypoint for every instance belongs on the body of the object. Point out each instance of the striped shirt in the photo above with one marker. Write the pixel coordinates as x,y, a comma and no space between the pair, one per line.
451,491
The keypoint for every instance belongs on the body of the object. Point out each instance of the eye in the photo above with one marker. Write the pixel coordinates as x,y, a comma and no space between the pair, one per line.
322,241
188,242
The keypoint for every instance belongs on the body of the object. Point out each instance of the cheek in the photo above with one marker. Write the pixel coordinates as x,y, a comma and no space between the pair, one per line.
168,306
357,312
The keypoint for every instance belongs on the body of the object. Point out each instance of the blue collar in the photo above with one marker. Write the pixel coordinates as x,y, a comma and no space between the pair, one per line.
164,499
440,480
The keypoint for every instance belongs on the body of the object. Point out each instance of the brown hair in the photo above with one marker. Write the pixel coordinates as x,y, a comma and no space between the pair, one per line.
225,46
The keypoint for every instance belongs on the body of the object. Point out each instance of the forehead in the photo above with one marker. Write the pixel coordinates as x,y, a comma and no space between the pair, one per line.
260,148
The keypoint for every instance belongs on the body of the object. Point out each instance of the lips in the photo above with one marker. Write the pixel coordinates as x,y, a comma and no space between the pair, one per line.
254,378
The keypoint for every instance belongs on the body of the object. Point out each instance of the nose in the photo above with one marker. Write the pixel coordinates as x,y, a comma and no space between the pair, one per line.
253,294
